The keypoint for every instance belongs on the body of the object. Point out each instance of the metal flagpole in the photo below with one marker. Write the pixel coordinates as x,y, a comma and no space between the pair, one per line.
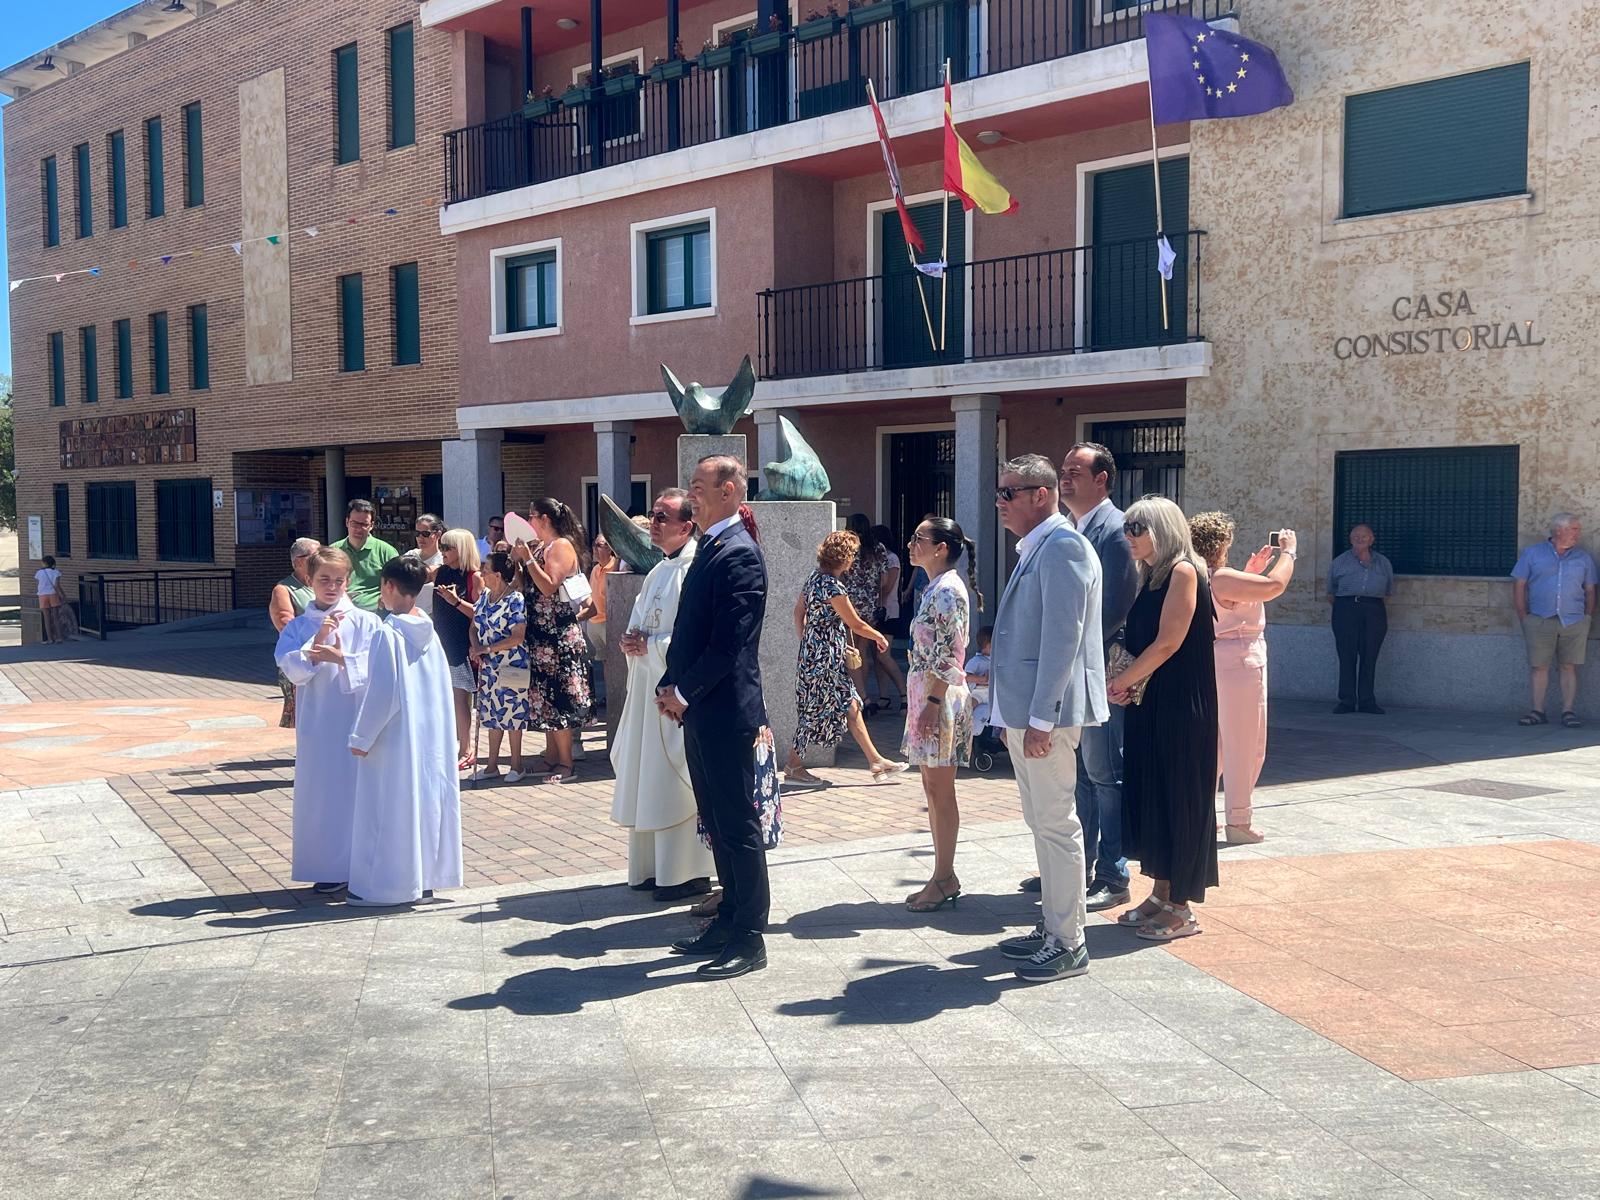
944,248
1161,229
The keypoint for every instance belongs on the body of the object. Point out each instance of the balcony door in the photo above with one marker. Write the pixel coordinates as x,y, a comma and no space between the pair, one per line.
903,339
1124,286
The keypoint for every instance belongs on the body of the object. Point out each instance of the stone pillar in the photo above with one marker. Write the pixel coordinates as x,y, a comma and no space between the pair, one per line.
622,590
613,459
472,479
977,470
692,447
333,470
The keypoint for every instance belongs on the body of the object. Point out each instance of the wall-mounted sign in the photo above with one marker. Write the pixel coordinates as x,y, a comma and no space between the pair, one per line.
129,439
1450,306
35,538
270,517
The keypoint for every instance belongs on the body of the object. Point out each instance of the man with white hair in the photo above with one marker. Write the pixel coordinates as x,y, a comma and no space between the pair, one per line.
1554,593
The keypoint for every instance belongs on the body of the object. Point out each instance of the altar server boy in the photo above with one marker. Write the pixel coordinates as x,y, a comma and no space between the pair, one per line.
407,838
323,652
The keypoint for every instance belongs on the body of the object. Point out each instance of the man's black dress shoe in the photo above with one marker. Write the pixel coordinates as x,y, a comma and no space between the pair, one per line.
682,891
712,942
742,956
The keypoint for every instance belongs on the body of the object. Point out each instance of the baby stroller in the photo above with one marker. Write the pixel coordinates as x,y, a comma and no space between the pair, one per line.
988,747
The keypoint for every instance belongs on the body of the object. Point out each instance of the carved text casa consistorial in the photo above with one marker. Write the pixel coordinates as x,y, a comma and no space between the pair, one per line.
1451,306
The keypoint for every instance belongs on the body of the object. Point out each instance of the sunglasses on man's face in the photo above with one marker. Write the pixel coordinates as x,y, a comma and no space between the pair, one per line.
660,516
1135,528
1010,492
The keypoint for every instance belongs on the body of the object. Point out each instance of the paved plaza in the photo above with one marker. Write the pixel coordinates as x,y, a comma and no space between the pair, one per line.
1397,995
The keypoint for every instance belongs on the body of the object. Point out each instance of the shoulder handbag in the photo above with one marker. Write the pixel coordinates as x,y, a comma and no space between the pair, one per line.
852,654
575,590
513,679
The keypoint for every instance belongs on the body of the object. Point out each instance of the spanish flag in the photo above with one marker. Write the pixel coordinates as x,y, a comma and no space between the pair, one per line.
965,175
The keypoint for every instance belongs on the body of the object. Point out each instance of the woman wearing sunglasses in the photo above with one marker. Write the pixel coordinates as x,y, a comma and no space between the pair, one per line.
1169,783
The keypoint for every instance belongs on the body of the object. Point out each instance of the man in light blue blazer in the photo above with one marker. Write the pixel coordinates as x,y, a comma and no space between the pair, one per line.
1047,681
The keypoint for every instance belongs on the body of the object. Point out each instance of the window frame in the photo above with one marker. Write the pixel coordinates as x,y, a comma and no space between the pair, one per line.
50,185
160,354
83,185
127,522
199,321
155,169
58,369
500,301
122,337
194,157
402,100
61,500
639,234
89,364
117,169
340,115
170,496
397,315
345,344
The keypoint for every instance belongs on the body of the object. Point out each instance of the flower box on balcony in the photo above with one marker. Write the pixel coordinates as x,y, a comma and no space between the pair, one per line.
871,14
675,68
816,30
618,85
719,56
761,44
542,107
575,97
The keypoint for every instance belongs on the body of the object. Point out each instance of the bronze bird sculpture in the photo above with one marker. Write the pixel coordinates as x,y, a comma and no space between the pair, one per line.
700,413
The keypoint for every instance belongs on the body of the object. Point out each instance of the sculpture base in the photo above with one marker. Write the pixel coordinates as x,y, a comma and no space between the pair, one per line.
622,590
692,447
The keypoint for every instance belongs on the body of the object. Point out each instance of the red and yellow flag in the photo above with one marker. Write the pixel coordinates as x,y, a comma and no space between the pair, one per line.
965,175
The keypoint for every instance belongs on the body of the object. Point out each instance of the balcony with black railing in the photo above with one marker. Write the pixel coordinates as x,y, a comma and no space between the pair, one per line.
1072,301
764,79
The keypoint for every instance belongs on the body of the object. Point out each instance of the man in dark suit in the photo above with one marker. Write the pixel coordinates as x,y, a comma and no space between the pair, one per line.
713,686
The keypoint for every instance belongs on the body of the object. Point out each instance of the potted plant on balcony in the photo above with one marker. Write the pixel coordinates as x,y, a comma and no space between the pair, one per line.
819,25
871,13
720,54
770,42
676,67
621,78
541,105
580,93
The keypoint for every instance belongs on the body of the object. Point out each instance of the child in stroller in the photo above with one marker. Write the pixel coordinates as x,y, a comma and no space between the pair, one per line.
986,745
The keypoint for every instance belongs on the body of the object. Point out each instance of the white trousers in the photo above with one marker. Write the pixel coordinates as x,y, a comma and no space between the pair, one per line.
669,856
1050,807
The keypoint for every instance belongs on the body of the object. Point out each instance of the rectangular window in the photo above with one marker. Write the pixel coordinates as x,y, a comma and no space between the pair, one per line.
679,266
183,520
113,518
352,325
1448,511
1446,141
52,203
117,164
89,363
155,170
80,175
347,98
531,292
58,371
402,87
194,164
63,498
124,335
199,348
160,372
407,315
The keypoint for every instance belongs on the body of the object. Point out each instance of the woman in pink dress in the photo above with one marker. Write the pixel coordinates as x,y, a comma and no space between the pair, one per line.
1241,648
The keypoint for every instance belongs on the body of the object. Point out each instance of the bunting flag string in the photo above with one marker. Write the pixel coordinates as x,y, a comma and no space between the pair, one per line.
166,260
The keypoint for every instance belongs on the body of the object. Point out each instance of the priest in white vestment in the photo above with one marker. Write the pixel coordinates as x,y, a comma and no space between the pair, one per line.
323,652
407,839
653,797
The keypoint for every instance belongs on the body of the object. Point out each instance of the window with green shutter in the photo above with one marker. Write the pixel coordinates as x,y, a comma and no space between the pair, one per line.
1439,511
1124,286
58,371
155,170
124,336
402,87
194,162
352,324
407,315
62,495
89,363
160,365
199,348
347,98
184,522
113,519
52,202
531,301
678,262
80,173
117,162
1446,141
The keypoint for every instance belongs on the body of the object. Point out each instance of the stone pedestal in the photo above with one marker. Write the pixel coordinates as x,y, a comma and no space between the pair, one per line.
692,447
790,533
622,589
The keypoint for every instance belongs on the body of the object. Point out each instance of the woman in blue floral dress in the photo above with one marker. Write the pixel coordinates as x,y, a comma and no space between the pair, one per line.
827,700
558,653
498,644
939,717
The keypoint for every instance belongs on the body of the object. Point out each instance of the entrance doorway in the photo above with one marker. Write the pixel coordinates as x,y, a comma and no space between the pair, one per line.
1149,454
920,478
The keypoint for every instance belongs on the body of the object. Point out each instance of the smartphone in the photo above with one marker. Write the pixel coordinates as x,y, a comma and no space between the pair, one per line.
1273,540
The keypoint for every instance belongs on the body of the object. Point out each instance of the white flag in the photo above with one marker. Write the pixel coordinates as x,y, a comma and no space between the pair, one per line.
1165,257
934,270
238,247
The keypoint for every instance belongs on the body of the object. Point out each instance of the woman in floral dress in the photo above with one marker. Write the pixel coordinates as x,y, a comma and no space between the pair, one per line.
558,653
939,717
827,700
498,643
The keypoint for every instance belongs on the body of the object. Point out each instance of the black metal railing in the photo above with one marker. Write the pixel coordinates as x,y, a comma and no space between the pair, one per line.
113,600
1101,297
776,78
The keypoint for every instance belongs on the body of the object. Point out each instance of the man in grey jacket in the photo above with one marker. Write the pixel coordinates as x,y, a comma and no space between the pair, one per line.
1047,681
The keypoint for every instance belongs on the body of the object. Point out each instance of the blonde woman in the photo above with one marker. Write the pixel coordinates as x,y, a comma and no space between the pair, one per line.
1241,599
1169,785
456,588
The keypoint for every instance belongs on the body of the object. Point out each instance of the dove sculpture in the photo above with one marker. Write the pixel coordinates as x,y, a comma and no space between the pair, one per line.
700,413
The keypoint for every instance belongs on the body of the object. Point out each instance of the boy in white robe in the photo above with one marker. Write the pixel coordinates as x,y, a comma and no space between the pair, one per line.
323,652
407,838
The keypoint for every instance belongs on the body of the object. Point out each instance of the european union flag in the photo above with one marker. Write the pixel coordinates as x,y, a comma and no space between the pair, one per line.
1198,72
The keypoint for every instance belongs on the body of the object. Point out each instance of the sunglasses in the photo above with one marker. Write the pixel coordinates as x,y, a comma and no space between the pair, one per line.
1135,528
425,533
1009,493
659,516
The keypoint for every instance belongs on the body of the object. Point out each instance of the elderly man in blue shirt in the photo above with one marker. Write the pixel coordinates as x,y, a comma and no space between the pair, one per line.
1554,595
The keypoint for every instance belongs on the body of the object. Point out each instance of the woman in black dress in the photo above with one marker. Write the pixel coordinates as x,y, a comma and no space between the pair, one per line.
1169,782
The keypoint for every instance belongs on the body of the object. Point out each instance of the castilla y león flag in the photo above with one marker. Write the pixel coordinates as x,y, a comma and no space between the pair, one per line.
913,238
965,175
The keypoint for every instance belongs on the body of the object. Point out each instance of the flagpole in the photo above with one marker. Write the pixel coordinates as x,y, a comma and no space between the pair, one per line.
911,254
944,248
1161,229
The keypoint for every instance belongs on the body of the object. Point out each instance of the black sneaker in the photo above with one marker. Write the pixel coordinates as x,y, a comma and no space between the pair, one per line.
1106,895
1025,946
1053,960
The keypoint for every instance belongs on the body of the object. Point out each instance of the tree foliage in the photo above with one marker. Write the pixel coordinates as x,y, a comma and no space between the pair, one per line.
8,458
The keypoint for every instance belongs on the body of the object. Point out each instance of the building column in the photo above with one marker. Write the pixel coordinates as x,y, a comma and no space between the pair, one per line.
613,460
333,471
977,472
597,150
472,479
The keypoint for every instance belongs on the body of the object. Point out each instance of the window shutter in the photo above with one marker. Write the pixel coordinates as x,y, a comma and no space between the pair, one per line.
52,203
80,156
347,97
58,371
407,315
89,363
160,373
1125,291
62,494
155,169
402,87
194,166
124,334
118,158
199,348
352,324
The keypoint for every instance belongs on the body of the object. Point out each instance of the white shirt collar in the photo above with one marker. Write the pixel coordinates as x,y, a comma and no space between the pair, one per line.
727,523
1029,541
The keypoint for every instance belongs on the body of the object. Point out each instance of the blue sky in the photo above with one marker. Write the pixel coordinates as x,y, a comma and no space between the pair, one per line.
27,29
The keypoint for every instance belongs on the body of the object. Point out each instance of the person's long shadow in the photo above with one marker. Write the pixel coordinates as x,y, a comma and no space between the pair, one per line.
553,991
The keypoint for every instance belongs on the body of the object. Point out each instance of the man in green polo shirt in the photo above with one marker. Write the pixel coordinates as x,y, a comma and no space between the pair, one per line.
367,554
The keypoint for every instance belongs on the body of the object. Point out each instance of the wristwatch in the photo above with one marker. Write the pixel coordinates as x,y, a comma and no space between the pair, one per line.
935,700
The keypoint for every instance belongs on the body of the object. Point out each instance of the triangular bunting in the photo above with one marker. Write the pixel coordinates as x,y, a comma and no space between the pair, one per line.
272,239
311,231
238,247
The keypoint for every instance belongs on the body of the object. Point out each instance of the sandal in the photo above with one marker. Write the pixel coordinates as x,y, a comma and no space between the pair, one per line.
1533,716
1187,926
928,906
879,774
562,774
1135,917
1570,720
1242,835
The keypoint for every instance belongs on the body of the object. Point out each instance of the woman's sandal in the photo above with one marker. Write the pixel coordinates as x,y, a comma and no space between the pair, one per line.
1187,926
1242,835
1135,917
928,906
557,776
1570,720
1533,716
889,769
